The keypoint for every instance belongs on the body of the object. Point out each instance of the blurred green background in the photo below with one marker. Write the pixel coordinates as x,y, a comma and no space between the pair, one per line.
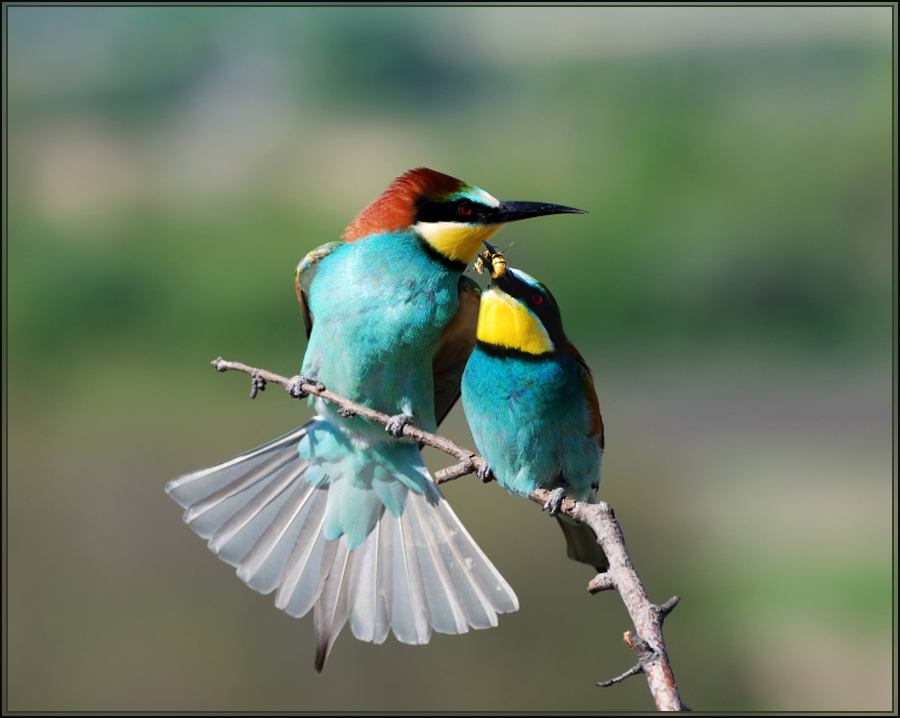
731,288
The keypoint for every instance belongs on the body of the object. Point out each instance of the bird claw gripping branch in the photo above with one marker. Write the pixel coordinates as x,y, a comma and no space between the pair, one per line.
295,386
395,425
554,501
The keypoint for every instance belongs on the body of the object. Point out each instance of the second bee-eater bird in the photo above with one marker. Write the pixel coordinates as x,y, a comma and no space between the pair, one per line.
530,401
338,515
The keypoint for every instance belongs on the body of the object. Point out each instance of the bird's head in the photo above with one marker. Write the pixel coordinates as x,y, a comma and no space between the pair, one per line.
451,217
519,314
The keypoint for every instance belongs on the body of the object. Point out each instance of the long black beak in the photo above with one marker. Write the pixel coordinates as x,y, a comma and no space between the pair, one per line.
514,211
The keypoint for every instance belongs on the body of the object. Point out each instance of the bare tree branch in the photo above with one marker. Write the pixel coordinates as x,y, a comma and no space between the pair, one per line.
647,643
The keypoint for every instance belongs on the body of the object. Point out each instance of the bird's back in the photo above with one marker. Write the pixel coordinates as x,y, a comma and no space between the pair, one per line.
380,305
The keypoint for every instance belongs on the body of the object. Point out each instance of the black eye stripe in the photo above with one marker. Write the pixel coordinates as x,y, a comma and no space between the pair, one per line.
458,210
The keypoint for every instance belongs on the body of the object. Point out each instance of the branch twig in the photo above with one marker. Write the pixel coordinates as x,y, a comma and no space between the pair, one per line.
647,643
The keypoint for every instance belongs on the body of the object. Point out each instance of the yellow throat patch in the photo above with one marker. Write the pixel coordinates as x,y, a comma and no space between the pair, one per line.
505,322
456,240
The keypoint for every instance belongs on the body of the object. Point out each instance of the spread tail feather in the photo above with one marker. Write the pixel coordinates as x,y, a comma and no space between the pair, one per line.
405,561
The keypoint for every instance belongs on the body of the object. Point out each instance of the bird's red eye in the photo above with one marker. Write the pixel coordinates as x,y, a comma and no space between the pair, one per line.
465,209
537,299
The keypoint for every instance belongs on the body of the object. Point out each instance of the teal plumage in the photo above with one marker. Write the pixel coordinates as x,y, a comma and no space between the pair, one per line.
530,420
385,321
337,515
530,402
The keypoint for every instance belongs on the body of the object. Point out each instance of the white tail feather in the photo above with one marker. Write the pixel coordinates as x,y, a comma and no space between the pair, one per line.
412,573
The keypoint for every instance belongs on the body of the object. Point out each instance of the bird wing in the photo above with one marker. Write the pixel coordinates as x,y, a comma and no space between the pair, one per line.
306,272
590,393
454,347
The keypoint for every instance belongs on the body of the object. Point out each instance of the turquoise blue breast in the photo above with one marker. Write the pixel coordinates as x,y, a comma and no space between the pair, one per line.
531,421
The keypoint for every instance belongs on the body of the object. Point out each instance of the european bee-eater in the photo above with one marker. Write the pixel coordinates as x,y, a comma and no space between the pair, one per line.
338,515
530,401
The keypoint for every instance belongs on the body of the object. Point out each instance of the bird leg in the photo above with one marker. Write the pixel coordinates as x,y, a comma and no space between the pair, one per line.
554,501
484,473
296,382
395,426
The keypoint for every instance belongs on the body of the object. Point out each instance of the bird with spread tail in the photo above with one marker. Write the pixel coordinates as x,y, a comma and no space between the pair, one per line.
338,515
530,401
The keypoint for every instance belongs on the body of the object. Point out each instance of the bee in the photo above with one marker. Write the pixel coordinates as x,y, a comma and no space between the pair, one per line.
490,255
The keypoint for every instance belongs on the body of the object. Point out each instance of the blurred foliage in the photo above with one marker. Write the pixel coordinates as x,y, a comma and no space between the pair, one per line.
732,287
738,198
